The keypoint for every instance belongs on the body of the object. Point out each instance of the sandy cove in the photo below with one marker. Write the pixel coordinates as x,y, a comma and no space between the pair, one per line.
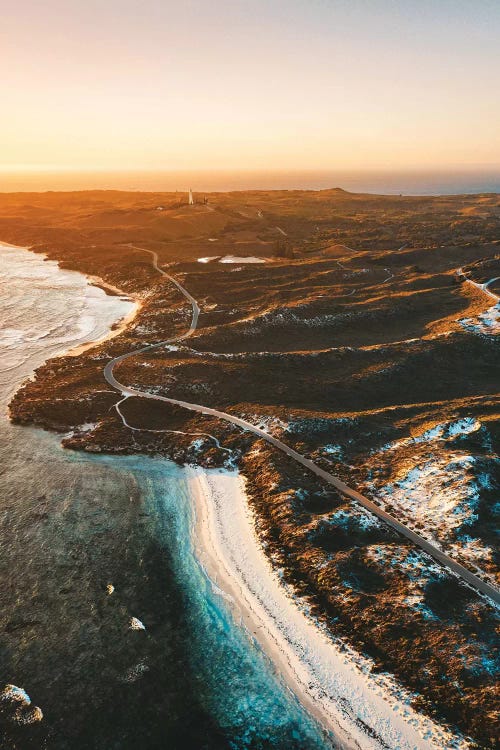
359,709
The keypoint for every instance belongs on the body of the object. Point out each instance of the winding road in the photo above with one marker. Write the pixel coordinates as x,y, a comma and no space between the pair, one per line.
481,287
453,566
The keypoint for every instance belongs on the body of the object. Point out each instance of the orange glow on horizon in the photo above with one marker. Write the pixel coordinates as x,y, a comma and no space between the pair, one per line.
293,86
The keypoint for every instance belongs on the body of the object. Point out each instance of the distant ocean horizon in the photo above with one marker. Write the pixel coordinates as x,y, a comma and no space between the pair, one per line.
382,182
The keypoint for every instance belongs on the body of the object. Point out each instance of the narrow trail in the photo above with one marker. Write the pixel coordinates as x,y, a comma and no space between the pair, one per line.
428,547
163,432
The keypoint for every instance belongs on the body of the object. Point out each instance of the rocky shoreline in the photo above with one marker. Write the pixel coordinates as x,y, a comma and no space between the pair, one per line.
290,505
359,578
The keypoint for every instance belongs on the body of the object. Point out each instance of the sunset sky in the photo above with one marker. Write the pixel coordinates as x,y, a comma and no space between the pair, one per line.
280,84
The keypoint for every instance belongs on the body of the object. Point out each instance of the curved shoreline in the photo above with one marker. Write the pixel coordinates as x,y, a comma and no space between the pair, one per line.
118,326
282,661
427,546
126,605
336,685
322,696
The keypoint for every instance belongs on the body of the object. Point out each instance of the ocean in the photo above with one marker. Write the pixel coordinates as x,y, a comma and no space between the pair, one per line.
108,620
383,181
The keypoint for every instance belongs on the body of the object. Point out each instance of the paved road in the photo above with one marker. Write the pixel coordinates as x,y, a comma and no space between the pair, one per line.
491,281
431,549
482,287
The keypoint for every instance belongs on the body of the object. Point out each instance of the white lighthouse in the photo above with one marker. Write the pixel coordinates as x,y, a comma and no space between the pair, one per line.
190,198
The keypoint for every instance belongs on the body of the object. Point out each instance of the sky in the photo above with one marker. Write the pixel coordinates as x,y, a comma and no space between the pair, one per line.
234,84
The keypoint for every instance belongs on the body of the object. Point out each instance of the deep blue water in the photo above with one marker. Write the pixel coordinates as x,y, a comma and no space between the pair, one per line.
235,682
73,525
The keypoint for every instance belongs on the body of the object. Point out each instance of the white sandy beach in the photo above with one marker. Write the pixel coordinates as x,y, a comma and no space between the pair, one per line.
362,710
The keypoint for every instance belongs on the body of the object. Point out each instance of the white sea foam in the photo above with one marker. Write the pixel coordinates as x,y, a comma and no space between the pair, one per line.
22,711
35,285
136,624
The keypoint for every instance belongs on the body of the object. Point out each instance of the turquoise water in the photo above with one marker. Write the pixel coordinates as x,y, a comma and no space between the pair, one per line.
236,683
73,525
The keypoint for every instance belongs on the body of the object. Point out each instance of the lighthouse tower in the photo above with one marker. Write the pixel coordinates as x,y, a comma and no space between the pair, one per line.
190,198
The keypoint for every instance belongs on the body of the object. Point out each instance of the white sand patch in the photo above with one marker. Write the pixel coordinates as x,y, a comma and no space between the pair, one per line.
333,682
441,490
239,259
87,426
336,451
473,551
437,490
441,431
441,493
487,322
345,518
272,425
443,486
